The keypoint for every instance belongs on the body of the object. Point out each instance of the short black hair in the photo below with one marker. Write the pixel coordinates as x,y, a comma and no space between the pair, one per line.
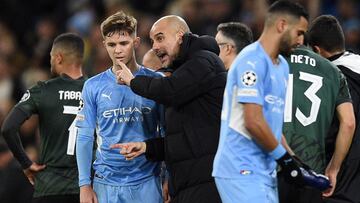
70,42
288,7
238,32
325,31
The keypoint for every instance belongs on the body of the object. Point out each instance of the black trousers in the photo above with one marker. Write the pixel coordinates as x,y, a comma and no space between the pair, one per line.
348,184
291,193
57,199
202,193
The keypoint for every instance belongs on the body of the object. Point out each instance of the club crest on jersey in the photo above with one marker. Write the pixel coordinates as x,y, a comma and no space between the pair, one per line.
249,78
25,97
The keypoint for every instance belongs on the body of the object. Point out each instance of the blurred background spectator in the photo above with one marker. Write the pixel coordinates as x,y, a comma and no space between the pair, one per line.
27,29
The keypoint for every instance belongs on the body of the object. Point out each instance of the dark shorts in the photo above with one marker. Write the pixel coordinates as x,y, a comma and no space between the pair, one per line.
202,193
57,199
291,193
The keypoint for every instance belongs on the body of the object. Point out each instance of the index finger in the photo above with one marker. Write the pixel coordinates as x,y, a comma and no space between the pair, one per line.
119,145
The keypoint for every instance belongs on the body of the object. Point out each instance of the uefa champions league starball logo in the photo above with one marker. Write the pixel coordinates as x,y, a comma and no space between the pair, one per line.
25,97
249,78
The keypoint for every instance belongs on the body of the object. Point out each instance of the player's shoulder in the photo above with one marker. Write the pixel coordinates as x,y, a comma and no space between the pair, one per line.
149,72
252,52
251,57
96,79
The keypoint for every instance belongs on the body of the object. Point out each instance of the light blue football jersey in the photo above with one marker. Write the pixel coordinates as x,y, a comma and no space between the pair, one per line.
119,116
252,78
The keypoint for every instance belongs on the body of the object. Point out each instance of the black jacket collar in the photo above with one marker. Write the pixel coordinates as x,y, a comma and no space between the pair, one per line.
191,44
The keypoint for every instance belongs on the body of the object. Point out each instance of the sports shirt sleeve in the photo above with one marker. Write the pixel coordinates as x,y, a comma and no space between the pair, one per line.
27,106
344,94
189,81
85,122
250,80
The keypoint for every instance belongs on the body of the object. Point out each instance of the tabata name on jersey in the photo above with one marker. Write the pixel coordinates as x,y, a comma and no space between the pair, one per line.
69,95
303,59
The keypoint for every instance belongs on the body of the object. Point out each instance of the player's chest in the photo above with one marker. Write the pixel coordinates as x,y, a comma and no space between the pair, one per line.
121,100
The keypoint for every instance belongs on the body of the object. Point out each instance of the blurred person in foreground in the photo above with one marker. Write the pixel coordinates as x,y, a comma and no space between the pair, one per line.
253,108
151,60
119,115
56,102
232,37
326,37
192,96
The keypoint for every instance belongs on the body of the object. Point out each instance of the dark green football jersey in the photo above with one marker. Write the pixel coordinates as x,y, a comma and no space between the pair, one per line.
315,88
56,101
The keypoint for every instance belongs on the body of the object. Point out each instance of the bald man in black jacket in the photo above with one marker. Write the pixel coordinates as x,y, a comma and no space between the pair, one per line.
193,97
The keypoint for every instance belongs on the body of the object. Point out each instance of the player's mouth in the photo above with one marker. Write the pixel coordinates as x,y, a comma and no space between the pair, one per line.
120,58
163,57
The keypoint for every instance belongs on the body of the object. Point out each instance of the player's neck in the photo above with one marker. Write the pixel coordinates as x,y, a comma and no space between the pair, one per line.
132,65
271,47
74,72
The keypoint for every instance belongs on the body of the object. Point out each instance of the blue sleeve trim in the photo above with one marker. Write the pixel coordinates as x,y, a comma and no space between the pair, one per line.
278,152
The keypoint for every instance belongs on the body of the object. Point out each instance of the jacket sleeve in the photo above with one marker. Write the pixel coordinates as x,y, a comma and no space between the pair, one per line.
187,82
10,131
155,149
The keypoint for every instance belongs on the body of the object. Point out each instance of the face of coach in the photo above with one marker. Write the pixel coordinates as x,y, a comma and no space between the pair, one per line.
166,36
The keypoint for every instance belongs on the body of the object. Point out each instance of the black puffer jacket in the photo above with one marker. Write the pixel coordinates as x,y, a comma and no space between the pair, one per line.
193,98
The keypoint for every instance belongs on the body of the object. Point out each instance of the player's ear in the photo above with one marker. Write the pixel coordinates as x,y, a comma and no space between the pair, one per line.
59,58
179,36
229,48
137,42
281,25
316,49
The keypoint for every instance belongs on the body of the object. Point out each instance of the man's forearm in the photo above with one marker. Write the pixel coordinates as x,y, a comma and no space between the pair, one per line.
10,131
342,145
344,137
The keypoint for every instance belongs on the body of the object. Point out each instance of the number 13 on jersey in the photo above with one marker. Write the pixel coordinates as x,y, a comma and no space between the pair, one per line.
310,94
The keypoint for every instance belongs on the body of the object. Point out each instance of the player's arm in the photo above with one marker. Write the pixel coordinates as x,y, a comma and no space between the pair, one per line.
260,131
345,114
257,126
84,146
86,122
286,145
250,94
10,131
180,87
153,148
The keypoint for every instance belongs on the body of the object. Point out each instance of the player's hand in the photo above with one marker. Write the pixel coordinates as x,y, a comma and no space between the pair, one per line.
32,170
165,192
290,169
130,150
87,195
331,174
123,73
